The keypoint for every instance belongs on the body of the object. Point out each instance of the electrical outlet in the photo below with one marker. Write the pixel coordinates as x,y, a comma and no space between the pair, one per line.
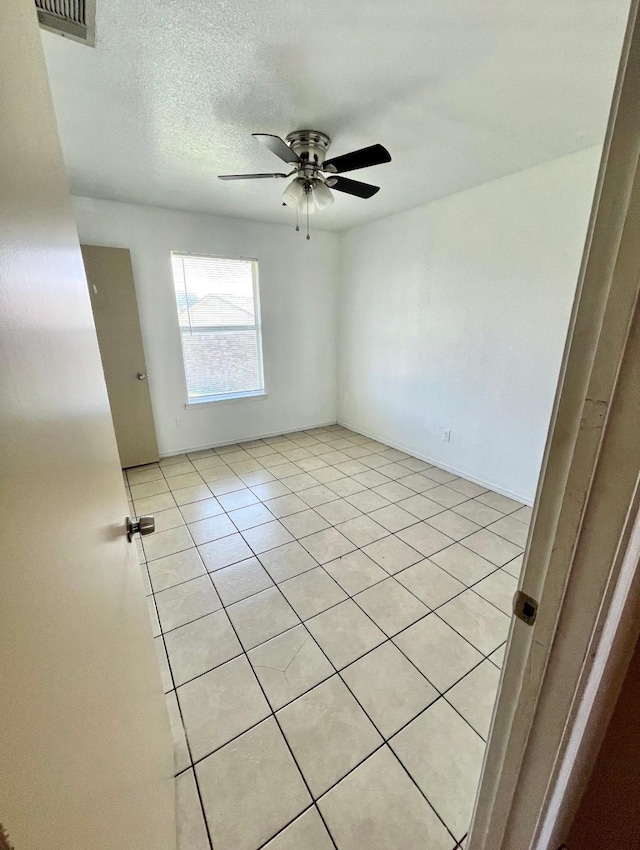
446,435
178,423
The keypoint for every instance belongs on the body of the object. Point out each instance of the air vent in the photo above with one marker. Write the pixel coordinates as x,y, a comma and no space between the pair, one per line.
73,19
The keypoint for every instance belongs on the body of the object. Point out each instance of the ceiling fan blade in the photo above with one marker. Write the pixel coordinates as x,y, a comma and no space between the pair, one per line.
373,155
277,146
352,187
248,176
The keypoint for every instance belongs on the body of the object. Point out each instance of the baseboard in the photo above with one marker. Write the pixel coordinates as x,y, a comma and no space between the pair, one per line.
245,439
488,484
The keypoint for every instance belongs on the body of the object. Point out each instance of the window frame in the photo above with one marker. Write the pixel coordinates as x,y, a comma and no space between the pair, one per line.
215,329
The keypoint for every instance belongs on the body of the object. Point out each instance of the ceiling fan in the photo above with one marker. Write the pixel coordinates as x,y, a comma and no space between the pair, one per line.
314,178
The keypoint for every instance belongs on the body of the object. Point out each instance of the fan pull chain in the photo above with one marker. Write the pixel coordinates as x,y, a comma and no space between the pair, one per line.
297,225
308,236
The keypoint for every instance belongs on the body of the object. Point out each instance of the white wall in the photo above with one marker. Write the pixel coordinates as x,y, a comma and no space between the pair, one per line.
298,287
454,314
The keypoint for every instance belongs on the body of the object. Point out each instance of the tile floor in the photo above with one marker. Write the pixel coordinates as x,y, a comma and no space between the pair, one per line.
330,617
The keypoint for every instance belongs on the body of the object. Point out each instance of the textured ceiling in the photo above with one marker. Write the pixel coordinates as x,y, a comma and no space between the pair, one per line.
460,91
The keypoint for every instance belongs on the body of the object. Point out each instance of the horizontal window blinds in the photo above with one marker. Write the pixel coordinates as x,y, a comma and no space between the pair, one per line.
219,317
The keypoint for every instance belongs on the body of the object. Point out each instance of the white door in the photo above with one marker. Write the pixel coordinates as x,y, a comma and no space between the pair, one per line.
584,512
85,753
115,312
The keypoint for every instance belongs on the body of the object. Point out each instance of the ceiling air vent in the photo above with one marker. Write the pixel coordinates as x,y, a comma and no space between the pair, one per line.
73,19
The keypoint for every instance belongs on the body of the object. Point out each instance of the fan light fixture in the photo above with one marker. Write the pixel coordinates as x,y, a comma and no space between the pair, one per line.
307,196
305,150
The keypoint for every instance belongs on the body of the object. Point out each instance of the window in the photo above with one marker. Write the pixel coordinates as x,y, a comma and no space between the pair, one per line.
219,314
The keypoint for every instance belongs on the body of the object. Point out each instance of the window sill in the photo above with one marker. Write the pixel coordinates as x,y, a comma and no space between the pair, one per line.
228,399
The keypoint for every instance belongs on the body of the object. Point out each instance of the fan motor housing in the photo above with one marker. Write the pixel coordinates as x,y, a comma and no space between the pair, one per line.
310,145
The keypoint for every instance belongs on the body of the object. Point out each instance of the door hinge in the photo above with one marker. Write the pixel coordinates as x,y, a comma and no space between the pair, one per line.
525,607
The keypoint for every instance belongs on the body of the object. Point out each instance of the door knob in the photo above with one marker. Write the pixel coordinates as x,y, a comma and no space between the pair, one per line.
141,376
142,525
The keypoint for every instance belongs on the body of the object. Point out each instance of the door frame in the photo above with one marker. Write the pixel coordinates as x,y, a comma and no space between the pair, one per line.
561,677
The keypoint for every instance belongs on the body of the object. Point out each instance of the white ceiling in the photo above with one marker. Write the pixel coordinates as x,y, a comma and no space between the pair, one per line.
460,92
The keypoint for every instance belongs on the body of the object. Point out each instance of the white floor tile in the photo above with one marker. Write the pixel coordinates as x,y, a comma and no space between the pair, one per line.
355,572
170,518
241,580
267,536
362,530
438,651
393,518
514,567
499,589
186,602
394,491
345,633
344,487
463,564
473,697
327,545
477,512
286,505
467,488
425,539
306,833
453,525
261,617
164,543
250,516
420,506
497,657
238,499
439,475
187,495
500,503
289,665
151,504
199,646
312,592
287,561
338,511
188,479
378,807
211,528
481,623
251,789
429,583
195,511
392,554
174,569
511,529
446,496
318,495
491,547
149,488
220,705
389,688
367,501
391,606
224,552
447,775
192,833
304,523
328,732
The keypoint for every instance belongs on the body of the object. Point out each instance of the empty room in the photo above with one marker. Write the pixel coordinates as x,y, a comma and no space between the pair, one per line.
297,395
